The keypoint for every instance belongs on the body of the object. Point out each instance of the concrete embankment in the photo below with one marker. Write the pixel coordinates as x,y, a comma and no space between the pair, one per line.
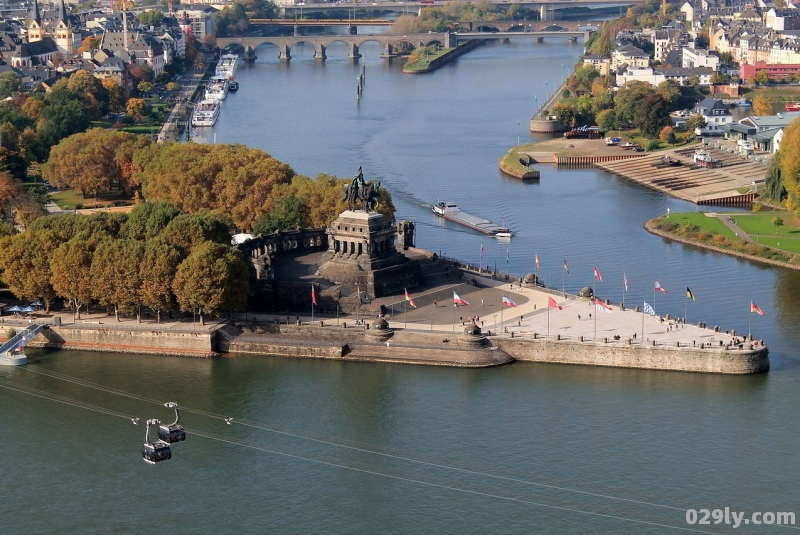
624,355
448,56
139,339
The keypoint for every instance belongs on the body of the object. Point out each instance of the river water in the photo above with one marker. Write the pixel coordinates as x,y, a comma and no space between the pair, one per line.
519,449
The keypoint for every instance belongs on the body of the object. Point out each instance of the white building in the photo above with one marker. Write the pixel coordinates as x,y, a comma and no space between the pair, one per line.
699,58
716,115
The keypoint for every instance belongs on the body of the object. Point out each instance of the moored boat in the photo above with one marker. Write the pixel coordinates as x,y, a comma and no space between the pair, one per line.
703,158
795,106
226,66
613,140
451,211
205,113
217,88
234,86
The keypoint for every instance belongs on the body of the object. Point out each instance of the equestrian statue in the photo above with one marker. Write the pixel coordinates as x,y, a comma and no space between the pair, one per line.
360,190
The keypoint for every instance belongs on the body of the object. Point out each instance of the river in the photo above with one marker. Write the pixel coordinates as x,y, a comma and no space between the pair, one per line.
519,449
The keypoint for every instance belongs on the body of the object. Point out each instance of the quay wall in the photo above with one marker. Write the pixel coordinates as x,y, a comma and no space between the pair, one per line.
188,343
622,355
438,61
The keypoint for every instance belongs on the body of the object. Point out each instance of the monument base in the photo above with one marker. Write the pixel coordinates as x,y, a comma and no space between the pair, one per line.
361,253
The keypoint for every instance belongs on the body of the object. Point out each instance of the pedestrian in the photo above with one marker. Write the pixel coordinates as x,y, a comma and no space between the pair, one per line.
519,323
590,316
579,317
481,302
434,303
481,324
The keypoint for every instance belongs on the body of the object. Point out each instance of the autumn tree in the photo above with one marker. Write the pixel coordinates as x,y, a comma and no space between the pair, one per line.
71,276
790,165
137,108
157,271
213,279
25,263
116,95
667,135
116,278
762,105
90,43
670,90
232,179
762,78
33,108
145,88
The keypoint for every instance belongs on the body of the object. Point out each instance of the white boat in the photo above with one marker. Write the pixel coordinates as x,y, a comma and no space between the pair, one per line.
451,211
613,140
703,158
226,66
205,113
217,88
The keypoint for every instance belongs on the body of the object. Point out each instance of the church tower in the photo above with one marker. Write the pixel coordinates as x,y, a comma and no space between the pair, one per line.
35,29
66,39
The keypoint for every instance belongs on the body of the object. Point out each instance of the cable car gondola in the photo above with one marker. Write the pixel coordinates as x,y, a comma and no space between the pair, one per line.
173,432
154,452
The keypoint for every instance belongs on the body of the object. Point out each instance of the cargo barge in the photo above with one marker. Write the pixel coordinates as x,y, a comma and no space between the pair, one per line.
451,211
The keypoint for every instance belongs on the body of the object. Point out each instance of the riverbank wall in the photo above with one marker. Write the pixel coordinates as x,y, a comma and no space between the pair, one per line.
642,356
144,339
447,57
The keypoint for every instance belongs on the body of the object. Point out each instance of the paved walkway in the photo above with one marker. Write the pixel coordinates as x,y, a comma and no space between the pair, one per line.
729,222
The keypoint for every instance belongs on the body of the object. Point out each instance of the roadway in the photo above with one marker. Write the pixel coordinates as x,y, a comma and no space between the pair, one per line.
308,7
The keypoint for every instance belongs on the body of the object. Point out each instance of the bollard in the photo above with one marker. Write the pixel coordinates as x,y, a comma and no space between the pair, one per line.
636,308
344,325
558,337
56,320
512,334
654,343
299,323
678,343
733,332
605,340
628,341
321,324
582,338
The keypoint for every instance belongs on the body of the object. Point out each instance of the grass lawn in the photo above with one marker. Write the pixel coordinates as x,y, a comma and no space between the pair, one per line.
784,244
703,222
510,161
69,199
761,223
773,92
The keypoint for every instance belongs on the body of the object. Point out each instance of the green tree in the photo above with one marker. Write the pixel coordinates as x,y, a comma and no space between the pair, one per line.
287,213
10,83
151,17
157,271
652,115
667,135
604,43
70,273
607,119
695,122
148,220
172,87
213,279
762,78
627,100
145,88
670,90
774,188
777,221
188,231
566,114
116,279
64,114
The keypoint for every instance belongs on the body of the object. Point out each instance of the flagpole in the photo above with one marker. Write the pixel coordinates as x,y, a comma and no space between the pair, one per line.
595,319
643,313
501,312
454,313
685,306
548,319
749,315
654,298
405,314
312,304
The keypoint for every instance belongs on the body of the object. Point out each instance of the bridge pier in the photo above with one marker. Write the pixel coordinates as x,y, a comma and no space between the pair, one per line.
543,13
249,54
319,52
354,54
388,52
297,32
573,39
285,52
539,39
352,29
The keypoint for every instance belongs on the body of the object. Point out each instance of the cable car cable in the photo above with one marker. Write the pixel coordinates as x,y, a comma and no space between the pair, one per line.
438,485
264,427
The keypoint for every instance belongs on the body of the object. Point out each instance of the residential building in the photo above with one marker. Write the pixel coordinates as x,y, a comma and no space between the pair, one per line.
630,55
782,19
699,58
716,114
602,64
774,71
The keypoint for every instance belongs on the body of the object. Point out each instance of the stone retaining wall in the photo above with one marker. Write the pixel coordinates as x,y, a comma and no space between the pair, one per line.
180,343
621,355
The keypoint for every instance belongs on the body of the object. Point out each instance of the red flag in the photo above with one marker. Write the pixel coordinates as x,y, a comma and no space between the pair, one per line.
625,281
481,250
659,288
508,302
552,303
313,295
602,307
597,274
457,300
537,261
755,308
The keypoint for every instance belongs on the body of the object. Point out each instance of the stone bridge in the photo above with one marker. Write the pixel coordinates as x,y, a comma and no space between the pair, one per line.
389,42
353,42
